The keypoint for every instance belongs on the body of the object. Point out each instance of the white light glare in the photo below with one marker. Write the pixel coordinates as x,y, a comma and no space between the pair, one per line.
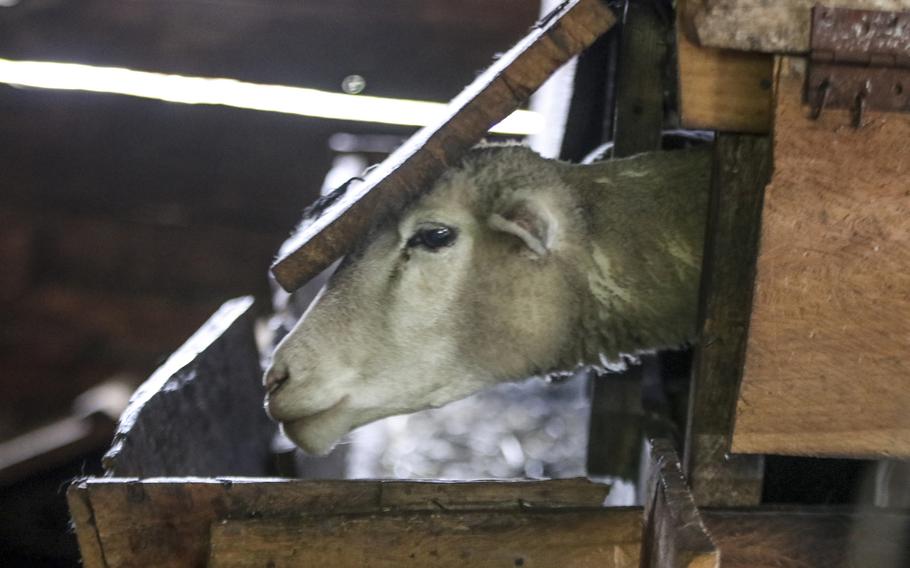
229,92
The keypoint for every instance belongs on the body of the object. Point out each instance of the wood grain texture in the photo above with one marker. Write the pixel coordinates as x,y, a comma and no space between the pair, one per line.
84,521
201,412
407,172
760,25
722,89
742,168
810,536
827,367
674,534
606,538
165,522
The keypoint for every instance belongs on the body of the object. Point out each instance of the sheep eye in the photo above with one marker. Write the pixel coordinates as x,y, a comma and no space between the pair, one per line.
433,237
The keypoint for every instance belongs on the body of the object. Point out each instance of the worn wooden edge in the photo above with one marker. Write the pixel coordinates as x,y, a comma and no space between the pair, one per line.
439,538
760,25
83,518
379,494
741,170
568,30
226,316
674,533
721,89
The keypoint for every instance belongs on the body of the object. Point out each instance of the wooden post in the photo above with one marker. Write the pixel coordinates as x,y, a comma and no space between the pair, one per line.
615,439
742,167
674,533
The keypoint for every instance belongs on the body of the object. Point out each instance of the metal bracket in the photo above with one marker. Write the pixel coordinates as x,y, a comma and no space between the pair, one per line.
859,59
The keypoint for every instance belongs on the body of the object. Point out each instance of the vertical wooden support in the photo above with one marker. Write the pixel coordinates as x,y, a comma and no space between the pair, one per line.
640,87
742,166
674,535
615,439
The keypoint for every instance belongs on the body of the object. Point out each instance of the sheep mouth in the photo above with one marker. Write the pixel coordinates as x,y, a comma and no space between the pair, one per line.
304,417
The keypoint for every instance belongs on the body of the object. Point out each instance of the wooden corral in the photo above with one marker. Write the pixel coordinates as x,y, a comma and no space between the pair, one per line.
810,363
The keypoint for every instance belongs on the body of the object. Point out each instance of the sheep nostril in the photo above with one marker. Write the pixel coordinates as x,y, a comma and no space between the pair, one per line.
274,378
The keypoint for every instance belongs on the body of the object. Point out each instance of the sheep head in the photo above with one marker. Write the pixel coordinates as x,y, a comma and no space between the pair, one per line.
472,285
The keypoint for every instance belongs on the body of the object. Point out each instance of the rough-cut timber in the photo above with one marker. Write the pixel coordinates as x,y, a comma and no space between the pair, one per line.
827,358
615,439
490,98
165,522
722,89
760,25
742,168
674,533
607,538
201,412
809,536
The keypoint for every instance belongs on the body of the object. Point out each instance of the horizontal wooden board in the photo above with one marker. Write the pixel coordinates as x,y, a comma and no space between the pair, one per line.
809,536
572,27
606,538
760,25
165,521
722,89
828,355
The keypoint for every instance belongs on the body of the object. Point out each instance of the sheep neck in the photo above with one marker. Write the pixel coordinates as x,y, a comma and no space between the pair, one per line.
641,266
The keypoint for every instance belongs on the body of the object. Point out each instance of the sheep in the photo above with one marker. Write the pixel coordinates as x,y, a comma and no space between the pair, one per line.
510,266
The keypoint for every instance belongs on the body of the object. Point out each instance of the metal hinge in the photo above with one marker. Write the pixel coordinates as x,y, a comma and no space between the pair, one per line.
859,59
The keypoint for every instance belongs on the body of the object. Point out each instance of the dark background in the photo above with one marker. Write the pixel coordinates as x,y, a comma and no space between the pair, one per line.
125,222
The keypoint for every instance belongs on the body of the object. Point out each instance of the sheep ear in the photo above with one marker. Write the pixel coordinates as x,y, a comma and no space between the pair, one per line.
529,222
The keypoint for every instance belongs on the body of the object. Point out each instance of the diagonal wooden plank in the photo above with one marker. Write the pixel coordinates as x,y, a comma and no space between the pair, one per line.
555,39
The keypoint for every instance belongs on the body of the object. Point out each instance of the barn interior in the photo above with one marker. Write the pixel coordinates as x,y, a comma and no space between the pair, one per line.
132,213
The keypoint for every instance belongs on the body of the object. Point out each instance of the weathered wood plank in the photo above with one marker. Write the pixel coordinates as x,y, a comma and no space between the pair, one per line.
674,533
557,493
644,53
759,25
742,168
722,89
201,412
813,536
827,356
84,521
405,173
165,522
616,439
607,538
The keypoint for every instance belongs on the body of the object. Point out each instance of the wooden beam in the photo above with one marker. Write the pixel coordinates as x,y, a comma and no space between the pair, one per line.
674,533
759,25
616,439
80,507
410,169
722,89
742,168
644,49
827,355
797,537
171,517
607,537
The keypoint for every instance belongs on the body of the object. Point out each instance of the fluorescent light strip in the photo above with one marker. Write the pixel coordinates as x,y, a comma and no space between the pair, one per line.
229,92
